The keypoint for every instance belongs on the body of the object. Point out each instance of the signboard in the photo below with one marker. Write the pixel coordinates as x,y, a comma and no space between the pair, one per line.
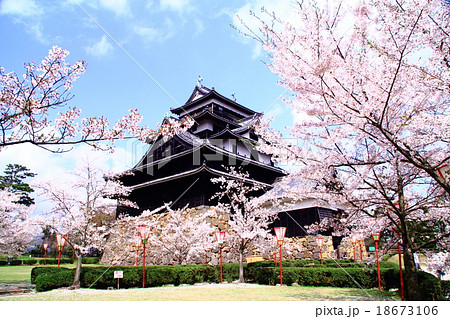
118,274
371,248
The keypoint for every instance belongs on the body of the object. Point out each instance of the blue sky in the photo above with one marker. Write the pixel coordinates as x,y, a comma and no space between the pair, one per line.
141,54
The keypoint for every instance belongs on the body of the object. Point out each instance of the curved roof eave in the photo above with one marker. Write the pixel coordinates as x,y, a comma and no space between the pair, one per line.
200,169
211,93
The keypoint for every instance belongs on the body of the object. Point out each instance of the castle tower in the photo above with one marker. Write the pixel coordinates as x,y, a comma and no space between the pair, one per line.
178,170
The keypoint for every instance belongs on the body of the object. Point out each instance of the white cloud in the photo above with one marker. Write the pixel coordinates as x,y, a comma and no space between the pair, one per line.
100,48
56,167
50,165
28,13
22,8
119,7
199,25
176,5
150,34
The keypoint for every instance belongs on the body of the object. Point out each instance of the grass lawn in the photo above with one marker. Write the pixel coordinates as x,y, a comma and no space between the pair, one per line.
199,292
21,273
210,292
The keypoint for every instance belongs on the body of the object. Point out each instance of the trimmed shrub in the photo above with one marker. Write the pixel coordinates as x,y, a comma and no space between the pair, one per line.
49,262
29,261
265,275
49,281
65,260
15,262
192,274
103,277
445,287
36,271
160,275
90,260
429,286
333,277
3,262
230,272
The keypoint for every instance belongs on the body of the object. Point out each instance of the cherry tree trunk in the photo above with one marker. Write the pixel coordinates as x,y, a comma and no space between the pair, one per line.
241,267
411,281
76,280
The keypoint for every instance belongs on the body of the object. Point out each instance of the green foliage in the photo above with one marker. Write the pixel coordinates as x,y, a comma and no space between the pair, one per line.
54,261
445,287
196,273
329,263
429,286
13,182
15,262
49,262
36,271
325,276
49,281
103,277
265,273
30,261
90,260
230,272
3,262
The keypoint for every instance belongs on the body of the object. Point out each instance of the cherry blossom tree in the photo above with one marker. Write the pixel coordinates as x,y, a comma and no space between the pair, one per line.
249,213
34,109
370,91
181,236
17,228
84,209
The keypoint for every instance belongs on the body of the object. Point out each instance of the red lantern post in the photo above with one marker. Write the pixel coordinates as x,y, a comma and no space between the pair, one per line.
144,233
220,237
136,246
45,246
360,249
280,232
319,242
376,238
354,248
60,242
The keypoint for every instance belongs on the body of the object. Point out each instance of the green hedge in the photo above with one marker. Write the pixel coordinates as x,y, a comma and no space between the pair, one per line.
445,287
36,271
54,261
429,286
46,278
103,277
49,281
329,263
326,276
90,260
29,261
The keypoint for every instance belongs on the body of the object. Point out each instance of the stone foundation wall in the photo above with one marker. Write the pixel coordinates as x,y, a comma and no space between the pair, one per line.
119,250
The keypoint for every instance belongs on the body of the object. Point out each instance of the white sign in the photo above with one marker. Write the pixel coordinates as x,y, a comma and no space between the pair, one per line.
118,274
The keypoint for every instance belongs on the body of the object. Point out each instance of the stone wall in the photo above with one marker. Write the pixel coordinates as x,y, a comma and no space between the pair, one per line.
119,250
